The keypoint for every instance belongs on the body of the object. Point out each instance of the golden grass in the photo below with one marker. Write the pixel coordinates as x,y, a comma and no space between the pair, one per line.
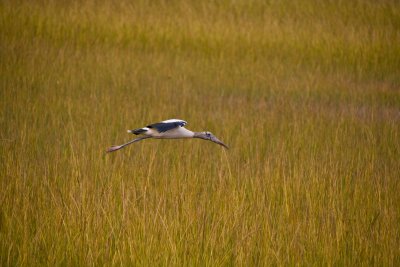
306,94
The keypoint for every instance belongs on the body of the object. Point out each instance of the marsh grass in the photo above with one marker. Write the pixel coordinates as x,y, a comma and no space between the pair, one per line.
306,94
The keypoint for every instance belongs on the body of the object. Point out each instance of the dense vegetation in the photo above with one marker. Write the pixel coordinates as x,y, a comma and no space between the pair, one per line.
306,93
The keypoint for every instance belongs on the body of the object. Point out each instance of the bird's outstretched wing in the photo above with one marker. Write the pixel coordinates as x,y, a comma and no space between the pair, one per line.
167,125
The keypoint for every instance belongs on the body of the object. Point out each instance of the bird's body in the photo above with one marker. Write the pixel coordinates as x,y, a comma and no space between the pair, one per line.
180,132
168,129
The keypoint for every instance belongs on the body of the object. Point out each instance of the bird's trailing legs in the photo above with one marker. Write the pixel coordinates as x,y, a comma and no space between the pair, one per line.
115,148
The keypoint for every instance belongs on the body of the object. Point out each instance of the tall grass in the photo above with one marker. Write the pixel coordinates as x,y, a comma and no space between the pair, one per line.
306,94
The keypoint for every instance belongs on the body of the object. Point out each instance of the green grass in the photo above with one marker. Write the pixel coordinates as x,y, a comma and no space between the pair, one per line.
306,94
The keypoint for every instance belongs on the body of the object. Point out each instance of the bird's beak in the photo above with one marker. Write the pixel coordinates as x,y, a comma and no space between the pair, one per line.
219,142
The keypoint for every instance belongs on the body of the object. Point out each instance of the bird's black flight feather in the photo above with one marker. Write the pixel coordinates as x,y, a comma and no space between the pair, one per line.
166,126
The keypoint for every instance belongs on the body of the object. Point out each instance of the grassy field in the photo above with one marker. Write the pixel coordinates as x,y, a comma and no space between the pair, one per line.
306,94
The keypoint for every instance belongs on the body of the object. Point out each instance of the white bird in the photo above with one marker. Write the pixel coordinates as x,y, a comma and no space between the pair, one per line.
168,129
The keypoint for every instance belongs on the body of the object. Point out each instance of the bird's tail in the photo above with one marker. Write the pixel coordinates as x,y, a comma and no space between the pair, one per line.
138,131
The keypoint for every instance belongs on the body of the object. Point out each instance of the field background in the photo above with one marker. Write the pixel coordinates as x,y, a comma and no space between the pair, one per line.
306,94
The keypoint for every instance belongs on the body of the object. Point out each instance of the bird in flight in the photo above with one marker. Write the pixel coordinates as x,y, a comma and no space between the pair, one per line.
168,129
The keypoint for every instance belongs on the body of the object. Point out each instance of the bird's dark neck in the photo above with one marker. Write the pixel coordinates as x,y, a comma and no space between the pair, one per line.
199,135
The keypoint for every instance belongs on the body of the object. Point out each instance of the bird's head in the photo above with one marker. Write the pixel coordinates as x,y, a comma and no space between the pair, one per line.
210,137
